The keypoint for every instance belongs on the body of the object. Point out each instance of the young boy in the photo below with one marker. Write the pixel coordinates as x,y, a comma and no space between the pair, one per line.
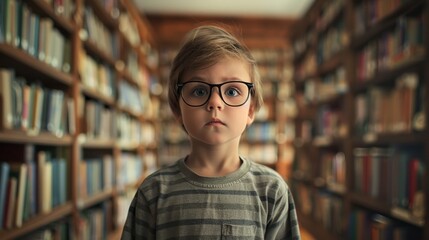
213,193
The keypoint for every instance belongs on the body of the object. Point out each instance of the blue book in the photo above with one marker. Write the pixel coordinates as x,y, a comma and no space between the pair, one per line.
2,21
62,180
4,174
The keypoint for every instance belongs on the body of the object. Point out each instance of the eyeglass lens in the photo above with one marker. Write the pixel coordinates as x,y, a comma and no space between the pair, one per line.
198,93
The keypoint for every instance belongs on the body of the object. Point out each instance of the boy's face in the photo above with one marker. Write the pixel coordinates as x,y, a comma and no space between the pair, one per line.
215,122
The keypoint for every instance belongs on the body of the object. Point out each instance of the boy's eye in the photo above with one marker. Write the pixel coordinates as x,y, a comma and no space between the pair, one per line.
199,92
232,92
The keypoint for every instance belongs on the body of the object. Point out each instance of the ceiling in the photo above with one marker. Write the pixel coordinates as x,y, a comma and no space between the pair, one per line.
290,9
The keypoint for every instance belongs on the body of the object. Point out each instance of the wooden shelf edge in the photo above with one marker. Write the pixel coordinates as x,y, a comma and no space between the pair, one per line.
48,10
92,200
43,138
38,222
21,57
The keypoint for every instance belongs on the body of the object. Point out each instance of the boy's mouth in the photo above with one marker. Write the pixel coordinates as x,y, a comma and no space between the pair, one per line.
215,121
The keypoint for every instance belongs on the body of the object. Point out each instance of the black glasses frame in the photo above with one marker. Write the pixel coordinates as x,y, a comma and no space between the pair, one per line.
180,86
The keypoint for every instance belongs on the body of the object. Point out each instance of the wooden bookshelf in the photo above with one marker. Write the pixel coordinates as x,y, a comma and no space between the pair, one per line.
79,119
369,136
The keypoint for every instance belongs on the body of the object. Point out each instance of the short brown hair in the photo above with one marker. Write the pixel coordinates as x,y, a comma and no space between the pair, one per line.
204,46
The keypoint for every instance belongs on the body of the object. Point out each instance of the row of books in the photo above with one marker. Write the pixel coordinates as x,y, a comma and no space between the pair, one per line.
392,175
95,222
391,109
368,225
329,210
326,208
170,153
261,132
96,175
264,153
60,230
130,169
402,44
124,202
330,122
130,97
328,13
266,112
333,170
132,63
129,29
369,13
97,76
130,131
328,86
305,131
32,187
307,67
173,133
331,42
36,35
266,56
33,108
96,32
270,72
99,121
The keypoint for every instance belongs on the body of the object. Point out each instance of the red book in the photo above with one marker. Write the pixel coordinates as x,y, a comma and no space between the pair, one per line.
413,166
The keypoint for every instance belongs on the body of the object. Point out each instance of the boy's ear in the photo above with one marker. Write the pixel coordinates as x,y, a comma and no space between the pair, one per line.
251,115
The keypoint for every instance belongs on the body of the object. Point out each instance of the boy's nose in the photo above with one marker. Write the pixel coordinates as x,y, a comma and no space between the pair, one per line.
215,100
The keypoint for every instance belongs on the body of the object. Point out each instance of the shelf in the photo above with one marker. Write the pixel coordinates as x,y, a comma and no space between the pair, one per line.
96,143
332,63
92,200
38,222
92,93
390,138
415,63
98,53
104,16
43,138
16,58
385,209
62,22
385,23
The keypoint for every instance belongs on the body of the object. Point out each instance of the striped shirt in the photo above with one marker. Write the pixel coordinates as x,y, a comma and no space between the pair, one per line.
254,202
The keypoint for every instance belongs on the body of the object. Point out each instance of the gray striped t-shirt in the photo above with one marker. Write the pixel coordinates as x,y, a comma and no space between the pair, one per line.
254,202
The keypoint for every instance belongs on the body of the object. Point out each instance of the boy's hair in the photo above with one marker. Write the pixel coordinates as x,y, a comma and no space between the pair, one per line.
203,47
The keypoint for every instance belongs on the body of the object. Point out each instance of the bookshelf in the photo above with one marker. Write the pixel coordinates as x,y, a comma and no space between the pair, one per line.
71,72
361,132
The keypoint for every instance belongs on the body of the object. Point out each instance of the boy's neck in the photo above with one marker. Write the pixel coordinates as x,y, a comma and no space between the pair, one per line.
213,164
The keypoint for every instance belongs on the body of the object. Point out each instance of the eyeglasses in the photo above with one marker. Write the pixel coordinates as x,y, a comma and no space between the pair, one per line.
196,93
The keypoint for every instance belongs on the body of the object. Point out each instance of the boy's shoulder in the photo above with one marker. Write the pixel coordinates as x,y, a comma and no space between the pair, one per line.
259,169
166,173
261,173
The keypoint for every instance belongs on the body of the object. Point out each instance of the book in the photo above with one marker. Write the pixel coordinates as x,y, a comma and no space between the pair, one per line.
42,157
10,203
2,22
4,175
6,76
19,170
17,85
